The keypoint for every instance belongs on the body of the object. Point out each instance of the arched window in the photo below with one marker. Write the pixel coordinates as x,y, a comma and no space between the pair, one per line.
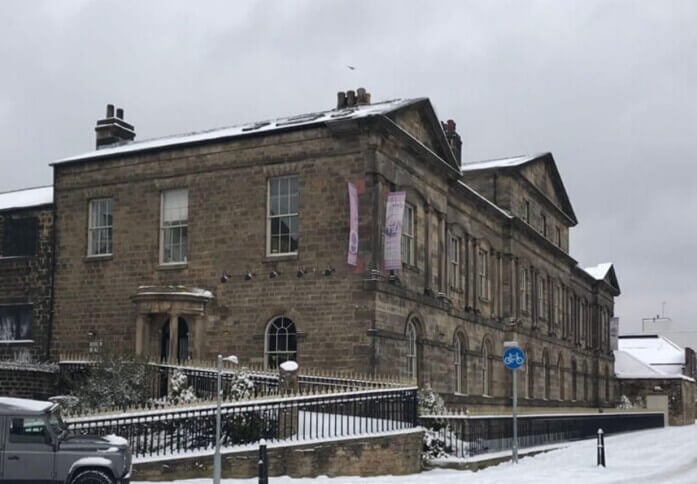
411,350
529,375
561,377
281,342
486,369
460,363
546,370
585,380
574,380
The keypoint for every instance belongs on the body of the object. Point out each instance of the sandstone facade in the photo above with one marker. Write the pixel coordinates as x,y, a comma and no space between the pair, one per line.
488,257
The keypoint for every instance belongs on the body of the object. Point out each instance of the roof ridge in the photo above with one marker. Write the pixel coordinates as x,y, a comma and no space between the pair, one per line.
507,158
26,189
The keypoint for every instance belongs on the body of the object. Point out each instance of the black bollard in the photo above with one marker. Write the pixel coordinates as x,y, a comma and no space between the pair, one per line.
601,448
263,463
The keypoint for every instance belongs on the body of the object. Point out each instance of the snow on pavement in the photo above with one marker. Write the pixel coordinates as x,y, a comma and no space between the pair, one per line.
662,456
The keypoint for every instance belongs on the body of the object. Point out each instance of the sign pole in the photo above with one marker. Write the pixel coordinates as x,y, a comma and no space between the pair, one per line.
515,418
514,358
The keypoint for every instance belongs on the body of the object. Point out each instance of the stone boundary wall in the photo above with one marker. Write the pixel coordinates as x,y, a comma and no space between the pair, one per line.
397,453
22,381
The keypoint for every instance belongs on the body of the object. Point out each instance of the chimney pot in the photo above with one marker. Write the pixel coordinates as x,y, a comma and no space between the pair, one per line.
362,96
340,100
112,130
453,138
350,98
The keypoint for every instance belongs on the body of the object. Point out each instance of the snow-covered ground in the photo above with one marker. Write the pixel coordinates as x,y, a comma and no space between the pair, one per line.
663,456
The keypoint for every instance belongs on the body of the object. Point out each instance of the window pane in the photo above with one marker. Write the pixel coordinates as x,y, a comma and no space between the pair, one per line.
282,215
175,206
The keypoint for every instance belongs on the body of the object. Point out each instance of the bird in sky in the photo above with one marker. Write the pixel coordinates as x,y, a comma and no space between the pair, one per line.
351,68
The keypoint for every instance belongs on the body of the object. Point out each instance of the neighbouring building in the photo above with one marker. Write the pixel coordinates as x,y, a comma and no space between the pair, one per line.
26,268
235,241
653,372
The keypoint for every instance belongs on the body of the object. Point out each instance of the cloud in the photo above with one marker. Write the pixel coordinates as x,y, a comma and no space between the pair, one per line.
608,87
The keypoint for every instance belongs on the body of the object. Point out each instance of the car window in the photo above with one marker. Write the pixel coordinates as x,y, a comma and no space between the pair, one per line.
28,430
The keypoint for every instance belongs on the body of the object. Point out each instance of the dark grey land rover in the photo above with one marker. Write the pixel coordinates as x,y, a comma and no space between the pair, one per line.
36,447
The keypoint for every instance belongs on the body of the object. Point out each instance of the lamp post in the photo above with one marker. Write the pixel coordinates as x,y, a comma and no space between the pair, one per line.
216,456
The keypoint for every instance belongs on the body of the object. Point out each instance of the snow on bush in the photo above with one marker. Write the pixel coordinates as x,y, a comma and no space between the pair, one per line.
430,403
238,385
180,391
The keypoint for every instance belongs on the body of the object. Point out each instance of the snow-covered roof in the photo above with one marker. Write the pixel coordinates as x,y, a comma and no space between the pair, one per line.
28,197
499,163
628,366
656,351
9,405
354,112
600,271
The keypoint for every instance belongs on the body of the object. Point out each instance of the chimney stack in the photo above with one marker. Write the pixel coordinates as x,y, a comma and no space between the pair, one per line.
113,129
350,99
453,138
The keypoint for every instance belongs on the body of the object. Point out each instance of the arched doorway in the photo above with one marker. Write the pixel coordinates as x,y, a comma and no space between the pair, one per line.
182,348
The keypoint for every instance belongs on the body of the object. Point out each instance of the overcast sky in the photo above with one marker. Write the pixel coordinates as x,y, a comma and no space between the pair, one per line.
607,86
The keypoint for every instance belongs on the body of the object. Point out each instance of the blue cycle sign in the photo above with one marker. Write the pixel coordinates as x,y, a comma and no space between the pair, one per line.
513,358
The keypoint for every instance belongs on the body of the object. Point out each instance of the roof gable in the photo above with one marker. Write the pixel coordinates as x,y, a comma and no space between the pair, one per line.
604,272
540,171
420,121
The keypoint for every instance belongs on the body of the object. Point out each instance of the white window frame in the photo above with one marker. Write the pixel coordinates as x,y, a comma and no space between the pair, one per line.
483,274
408,239
100,232
281,326
176,226
486,369
460,364
286,212
525,290
542,301
412,351
454,244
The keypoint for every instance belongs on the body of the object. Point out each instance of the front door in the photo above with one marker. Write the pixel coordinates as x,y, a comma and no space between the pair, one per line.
182,341
29,454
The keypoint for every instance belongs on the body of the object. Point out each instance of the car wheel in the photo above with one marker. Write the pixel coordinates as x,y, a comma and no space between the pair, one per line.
92,476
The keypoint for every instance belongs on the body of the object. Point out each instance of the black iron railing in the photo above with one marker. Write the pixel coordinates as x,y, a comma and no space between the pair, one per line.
298,418
465,436
204,380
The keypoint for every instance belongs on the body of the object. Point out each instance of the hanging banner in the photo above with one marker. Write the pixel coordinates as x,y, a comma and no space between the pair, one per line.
393,230
352,258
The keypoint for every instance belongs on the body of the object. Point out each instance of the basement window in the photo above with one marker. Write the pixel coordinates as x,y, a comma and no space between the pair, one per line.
15,322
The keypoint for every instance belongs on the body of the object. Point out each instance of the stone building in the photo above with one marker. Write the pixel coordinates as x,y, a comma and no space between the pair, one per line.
26,265
235,241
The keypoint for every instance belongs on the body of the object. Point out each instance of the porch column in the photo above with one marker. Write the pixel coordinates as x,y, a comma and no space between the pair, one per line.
198,337
173,337
140,334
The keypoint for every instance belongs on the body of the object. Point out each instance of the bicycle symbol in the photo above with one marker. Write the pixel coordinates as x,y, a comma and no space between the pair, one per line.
513,358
